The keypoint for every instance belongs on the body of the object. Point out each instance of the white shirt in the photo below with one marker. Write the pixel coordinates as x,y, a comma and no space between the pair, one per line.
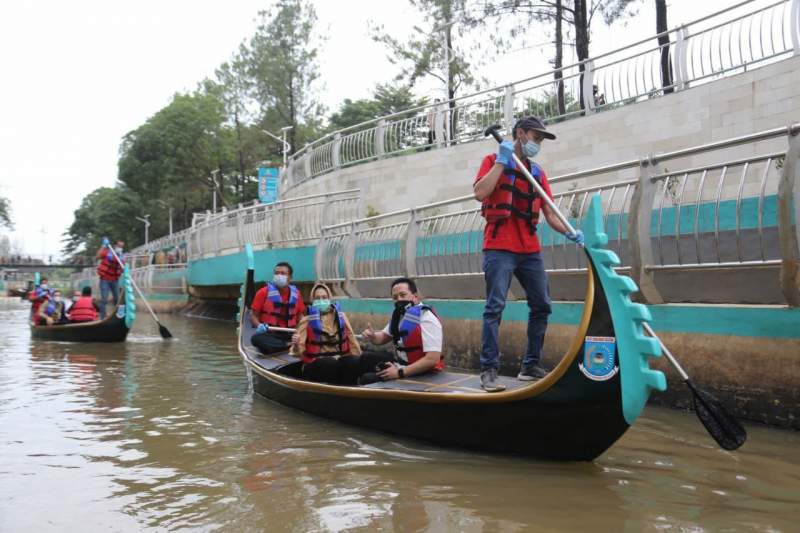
432,336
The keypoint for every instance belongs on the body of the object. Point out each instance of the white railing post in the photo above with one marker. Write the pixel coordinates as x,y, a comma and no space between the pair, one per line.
639,243
239,227
349,256
588,85
788,233
679,68
410,245
336,147
508,107
794,25
380,147
307,163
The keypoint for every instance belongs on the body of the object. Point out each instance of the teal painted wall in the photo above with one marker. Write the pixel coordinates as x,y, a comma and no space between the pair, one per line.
230,269
740,321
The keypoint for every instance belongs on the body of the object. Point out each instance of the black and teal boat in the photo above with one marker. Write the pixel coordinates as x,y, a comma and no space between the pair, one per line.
113,328
580,409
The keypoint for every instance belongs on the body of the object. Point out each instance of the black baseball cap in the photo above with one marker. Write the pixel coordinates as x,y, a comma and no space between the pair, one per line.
532,123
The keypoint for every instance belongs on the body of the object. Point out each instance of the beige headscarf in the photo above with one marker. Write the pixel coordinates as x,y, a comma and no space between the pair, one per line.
320,285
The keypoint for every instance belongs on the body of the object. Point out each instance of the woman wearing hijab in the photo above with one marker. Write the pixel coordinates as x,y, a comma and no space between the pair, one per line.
324,340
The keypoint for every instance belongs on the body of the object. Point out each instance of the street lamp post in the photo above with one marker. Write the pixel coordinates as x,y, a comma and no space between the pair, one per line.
146,228
286,146
162,203
214,190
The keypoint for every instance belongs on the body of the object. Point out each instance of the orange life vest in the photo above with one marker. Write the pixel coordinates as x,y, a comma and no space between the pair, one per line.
316,337
276,312
109,268
83,310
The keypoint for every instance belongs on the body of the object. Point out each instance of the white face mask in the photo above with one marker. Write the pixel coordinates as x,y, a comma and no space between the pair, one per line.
118,250
280,280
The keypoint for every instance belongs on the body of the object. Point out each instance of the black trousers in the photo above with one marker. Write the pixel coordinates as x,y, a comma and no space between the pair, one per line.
271,342
355,367
325,369
344,370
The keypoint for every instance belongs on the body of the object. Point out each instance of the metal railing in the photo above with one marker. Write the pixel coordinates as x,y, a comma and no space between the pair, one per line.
291,222
721,44
169,278
727,214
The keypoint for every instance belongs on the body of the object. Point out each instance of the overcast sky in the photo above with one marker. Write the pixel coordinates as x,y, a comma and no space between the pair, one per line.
78,75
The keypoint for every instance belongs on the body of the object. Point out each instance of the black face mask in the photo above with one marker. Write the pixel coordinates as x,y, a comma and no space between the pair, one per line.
401,305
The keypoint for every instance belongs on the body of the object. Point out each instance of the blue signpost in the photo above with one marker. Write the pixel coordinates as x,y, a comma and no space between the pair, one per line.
268,185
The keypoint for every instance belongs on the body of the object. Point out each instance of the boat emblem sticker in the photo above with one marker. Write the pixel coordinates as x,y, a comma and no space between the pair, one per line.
599,358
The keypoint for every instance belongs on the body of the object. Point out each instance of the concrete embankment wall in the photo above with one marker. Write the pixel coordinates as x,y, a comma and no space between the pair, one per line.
757,100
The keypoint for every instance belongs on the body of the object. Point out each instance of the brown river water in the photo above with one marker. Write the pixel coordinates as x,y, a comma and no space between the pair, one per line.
168,436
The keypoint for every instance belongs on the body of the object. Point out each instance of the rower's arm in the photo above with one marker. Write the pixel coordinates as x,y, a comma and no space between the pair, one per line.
485,185
553,219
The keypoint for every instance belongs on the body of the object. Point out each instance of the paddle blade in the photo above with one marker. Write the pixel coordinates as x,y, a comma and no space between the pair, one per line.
721,425
165,334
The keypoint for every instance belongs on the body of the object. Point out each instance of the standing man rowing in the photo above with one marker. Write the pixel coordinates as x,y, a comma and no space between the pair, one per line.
512,208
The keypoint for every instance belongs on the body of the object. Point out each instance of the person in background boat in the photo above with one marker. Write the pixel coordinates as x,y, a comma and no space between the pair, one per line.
511,208
84,309
324,340
51,311
38,296
109,270
278,304
416,333
76,295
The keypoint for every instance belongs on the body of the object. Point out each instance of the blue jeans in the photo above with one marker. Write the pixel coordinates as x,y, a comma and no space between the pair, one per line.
105,288
498,267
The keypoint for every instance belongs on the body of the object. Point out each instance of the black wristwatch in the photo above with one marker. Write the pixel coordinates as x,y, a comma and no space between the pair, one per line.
401,373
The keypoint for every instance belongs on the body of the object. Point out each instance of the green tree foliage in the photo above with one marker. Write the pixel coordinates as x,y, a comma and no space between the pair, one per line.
281,63
432,50
386,100
171,156
5,212
105,212
576,14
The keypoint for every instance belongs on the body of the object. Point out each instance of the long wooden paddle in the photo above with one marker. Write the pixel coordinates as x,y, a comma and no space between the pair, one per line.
720,424
162,329
358,337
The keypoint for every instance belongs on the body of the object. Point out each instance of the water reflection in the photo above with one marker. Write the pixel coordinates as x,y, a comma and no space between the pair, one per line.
167,435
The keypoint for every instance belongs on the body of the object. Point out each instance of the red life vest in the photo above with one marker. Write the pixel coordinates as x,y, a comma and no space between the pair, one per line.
276,312
513,196
316,337
512,210
406,326
109,268
83,310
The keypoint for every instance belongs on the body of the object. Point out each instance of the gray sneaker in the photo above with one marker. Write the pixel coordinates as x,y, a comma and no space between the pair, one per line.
531,373
489,381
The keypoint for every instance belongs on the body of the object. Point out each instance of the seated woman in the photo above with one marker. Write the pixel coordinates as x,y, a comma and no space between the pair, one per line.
324,340
84,309
51,311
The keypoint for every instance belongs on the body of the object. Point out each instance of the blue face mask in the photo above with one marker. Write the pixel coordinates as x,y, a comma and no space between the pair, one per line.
530,149
323,305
